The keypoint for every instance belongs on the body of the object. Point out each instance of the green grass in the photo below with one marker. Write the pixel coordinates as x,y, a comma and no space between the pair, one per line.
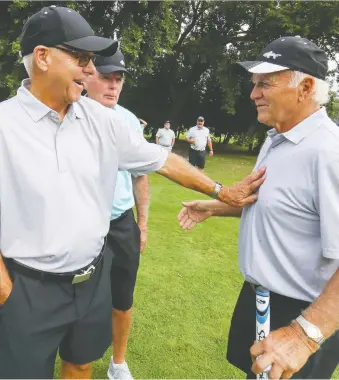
187,287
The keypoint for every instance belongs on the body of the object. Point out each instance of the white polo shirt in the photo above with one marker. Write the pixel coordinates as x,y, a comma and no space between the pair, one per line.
166,136
289,239
200,137
57,180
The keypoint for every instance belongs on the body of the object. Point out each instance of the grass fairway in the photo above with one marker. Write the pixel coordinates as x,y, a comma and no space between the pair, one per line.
187,287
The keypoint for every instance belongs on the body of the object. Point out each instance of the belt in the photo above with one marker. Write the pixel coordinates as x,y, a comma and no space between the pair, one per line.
75,277
198,150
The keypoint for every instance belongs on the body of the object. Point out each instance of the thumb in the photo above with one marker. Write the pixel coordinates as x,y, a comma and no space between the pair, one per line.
189,204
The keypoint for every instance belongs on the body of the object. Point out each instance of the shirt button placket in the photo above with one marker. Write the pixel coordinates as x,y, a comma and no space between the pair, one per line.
60,148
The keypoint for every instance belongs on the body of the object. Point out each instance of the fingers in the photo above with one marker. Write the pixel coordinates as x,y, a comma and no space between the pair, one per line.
182,213
191,225
186,224
256,350
262,363
254,176
183,220
249,200
276,372
256,184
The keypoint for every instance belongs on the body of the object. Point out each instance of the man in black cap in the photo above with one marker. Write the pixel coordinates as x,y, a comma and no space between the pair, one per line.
199,137
289,240
60,154
126,238
165,136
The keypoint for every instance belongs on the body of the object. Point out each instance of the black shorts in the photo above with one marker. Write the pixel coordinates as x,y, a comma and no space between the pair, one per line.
197,158
123,242
320,365
41,317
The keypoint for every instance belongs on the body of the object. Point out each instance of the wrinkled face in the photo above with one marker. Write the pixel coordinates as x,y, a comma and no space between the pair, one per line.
200,123
274,99
65,75
105,88
167,125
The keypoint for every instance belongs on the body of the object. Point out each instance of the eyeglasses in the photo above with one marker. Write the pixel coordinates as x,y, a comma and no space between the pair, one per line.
83,60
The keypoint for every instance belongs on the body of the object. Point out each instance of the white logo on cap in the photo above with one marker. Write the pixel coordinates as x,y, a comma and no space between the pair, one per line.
270,54
122,62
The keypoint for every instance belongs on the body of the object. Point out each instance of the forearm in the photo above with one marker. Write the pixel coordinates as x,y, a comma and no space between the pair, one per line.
217,208
180,171
141,196
324,312
173,141
189,140
157,140
209,143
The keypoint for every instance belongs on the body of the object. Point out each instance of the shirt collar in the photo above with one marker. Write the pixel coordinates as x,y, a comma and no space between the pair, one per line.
36,109
304,128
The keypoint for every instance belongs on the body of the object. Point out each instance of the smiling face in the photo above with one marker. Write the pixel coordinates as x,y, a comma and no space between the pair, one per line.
105,88
275,100
66,75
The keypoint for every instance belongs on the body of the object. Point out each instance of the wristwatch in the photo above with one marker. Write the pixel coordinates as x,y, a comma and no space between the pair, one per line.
217,189
312,331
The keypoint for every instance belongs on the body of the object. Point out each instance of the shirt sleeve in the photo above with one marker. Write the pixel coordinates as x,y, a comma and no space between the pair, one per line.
208,135
158,133
135,154
327,203
189,134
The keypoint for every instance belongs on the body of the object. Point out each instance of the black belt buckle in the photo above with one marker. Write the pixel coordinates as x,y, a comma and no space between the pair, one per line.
84,276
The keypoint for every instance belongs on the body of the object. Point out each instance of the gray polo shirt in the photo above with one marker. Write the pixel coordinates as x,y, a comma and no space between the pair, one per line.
57,180
165,136
289,239
200,137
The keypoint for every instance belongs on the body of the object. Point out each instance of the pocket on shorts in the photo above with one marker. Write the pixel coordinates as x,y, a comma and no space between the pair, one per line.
9,299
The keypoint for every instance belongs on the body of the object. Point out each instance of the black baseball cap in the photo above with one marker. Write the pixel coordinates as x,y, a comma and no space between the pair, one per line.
290,53
54,25
167,121
106,65
200,118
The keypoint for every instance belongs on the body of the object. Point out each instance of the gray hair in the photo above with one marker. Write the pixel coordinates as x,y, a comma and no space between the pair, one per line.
321,88
28,63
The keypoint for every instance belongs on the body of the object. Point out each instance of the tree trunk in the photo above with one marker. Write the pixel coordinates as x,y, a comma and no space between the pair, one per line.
227,138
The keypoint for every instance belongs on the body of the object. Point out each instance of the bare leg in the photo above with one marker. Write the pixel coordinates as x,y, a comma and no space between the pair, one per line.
75,371
121,325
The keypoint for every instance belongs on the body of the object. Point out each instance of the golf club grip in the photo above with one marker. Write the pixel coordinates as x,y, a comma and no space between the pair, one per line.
262,296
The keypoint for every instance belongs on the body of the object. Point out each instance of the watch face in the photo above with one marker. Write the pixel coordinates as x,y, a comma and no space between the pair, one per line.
313,332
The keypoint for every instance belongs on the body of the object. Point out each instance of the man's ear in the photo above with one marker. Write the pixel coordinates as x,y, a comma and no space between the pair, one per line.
306,88
42,57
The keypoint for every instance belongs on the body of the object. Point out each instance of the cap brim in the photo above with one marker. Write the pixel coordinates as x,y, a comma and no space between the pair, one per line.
109,69
98,45
257,67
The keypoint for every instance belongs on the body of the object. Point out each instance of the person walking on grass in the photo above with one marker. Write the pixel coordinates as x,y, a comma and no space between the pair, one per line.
165,136
199,137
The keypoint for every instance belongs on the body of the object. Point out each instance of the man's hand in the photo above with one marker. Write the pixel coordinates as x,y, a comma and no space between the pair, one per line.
193,213
143,237
211,153
6,284
241,193
286,349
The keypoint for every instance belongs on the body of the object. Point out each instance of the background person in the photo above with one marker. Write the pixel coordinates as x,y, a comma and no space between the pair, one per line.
126,238
199,137
165,136
288,241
